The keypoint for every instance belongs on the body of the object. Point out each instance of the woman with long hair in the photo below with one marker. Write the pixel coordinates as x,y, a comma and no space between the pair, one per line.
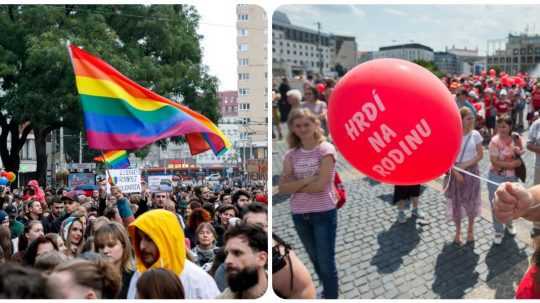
112,241
463,191
32,231
73,235
503,151
308,174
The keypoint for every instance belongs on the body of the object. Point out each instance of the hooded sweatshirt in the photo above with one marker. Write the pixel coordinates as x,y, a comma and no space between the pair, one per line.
163,228
39,194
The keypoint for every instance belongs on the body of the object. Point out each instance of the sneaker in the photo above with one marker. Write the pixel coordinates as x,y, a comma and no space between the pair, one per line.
418,213
497,240
401,217
511,229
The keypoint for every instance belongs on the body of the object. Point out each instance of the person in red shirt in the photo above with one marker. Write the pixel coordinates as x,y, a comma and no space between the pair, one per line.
491,112
535,97
503,104
529,287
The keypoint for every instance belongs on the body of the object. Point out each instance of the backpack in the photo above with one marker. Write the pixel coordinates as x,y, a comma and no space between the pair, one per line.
341,194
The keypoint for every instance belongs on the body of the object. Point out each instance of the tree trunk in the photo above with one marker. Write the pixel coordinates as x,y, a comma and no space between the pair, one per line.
11,157
41,154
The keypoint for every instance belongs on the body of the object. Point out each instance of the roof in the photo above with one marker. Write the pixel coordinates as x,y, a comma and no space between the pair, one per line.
408,45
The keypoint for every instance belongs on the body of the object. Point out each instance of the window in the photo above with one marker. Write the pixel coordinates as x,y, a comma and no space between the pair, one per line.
243,47
243,136
243,106
243,76
243,91
245,120
243,17
244,61
242,32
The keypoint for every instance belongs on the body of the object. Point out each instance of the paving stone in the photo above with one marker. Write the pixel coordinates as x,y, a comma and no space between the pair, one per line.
379,258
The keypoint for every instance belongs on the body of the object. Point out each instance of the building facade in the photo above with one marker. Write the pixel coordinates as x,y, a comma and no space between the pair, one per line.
252,79
300,51
364,56
346,50
469,61
446,62
228,103
520,54
409,52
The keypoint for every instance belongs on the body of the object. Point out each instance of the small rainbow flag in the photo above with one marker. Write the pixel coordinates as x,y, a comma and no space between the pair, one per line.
121,114
115,159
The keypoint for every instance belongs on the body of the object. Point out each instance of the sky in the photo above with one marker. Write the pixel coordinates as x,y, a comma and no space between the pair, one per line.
436,26
218,28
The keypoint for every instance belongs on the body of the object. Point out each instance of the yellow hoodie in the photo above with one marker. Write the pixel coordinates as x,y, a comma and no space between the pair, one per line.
163,228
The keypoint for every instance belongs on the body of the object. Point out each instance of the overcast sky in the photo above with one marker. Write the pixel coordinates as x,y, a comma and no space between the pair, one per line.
218,26
436,26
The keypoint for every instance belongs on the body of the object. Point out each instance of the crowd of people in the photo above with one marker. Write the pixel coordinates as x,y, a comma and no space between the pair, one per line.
495,110
193,243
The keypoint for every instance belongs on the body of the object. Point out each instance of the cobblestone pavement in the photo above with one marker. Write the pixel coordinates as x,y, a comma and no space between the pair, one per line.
380,258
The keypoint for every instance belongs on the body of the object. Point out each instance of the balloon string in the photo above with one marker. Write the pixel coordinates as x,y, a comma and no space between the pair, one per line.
476,176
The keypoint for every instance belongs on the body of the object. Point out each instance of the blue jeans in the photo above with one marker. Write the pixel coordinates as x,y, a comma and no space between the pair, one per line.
318,234
497,226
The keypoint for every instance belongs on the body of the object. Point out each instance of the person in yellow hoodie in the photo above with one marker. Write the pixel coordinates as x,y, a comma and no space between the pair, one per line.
159,242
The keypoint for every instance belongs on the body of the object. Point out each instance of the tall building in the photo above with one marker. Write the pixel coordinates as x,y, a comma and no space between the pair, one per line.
298,50
409,51
521,53
228,103
252,80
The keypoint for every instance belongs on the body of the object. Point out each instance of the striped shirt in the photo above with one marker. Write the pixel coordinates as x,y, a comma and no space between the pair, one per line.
306,163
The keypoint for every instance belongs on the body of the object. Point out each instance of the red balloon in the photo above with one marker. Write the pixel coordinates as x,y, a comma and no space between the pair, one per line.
3,174
483,73
390,117
321,88
492,72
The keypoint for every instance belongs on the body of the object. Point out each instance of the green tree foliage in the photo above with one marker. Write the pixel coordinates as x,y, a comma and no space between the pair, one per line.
430,66
156,46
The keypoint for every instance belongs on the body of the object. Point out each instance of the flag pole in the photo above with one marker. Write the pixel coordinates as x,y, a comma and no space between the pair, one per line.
107,169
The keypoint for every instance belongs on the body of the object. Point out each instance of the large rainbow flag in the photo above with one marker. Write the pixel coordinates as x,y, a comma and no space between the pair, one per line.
115,159
121,114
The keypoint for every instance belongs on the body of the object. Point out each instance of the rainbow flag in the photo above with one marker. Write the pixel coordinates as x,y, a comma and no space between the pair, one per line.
121,114
115,159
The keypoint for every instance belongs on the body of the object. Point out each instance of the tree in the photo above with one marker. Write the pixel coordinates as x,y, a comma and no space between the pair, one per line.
430,66
156,46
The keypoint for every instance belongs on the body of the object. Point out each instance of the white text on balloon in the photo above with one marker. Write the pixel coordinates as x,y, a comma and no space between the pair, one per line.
396,156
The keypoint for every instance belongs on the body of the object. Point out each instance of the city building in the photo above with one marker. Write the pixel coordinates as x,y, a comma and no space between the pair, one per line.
409,51
364,56
228,103
301,51
252,81
468,60
446,62
346,51
518,53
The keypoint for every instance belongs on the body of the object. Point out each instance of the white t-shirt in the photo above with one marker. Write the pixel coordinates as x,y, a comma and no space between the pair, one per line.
197,283
469,151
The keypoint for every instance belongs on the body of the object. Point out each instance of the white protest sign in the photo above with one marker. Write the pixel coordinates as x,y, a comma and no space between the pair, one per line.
128,180
160,183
